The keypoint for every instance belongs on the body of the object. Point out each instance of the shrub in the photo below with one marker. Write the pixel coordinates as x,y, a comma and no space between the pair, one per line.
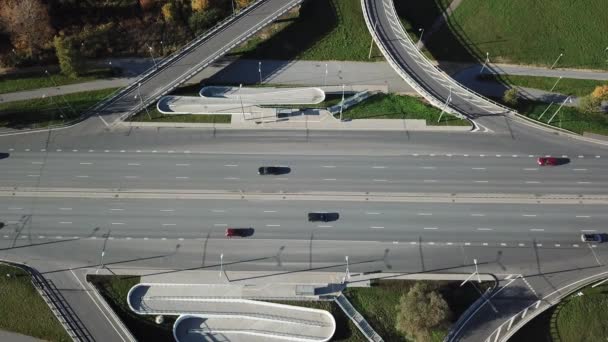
511,97
420,311
169,11
146,5
70,60
600,92
589,104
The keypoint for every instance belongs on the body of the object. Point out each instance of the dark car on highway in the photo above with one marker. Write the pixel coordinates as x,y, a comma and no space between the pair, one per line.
552,161
594,238
239,232
273,170
323,217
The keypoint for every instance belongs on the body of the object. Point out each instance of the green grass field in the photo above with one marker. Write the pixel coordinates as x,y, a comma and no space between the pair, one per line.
324,30
526,32
391,106
38,113
114,290
23,311
568,86
570,118
21,82
378,304
584,318
156,116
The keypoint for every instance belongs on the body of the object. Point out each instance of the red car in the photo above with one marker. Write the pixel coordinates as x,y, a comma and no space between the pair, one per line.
547,161
239,232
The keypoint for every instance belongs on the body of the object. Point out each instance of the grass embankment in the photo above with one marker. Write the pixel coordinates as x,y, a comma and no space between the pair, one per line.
389,106
378,303
42,112
324,30
23,310
570,118
568,86
523,32
20,82
574,319
114,290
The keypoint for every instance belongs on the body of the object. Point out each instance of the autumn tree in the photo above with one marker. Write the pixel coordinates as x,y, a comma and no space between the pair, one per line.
28,24
600,92
200,5
420,311
242,3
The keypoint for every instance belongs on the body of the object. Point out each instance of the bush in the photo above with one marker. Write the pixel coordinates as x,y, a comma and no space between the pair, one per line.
589,104
511,97
199,22
600,92
70,60
169,11
200,5
421,311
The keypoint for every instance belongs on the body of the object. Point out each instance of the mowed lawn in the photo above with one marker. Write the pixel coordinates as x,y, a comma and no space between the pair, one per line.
527,32
23,311
584,318
324,30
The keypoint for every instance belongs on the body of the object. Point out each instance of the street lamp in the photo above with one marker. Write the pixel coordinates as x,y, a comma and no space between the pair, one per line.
371,43
141,99
342,103
558,57
347,274
421,30
476,273
325,77
560,107
485,63
221,264
152,55
559,79
260,70
445,106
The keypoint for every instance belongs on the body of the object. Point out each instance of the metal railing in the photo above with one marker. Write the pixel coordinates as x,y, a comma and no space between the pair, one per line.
358,319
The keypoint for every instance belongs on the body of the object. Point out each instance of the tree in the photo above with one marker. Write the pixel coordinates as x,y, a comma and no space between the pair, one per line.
70,60
511,97
242,3
421,310
589,103
199,22
600,92
28,24
169,11
199,5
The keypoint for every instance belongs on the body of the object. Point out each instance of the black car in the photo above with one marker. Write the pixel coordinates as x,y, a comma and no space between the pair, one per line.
323,217
273,170
594,237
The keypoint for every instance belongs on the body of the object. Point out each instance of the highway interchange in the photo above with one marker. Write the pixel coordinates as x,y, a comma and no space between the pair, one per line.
529,222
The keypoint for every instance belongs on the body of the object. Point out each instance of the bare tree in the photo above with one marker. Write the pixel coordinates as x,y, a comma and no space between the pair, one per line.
28,23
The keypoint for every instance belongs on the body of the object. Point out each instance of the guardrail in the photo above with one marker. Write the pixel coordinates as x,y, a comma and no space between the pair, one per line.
203,64
64,314
358,319
427,95
465,316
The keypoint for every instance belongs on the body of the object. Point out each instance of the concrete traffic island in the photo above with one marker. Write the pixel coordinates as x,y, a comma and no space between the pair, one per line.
214,310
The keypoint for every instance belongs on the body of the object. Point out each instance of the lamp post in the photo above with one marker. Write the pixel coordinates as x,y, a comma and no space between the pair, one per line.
558,109
557,60
485,63
260,70
555,85
325,77
421,30
221,264
347,274
342,103
371,44
141,99
445,106
152,55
